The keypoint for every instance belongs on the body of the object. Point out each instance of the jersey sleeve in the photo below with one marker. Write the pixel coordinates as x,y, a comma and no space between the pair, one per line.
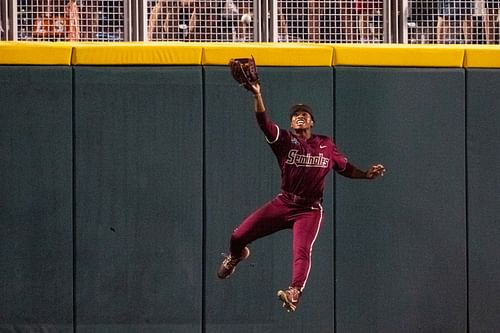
340,161
270,129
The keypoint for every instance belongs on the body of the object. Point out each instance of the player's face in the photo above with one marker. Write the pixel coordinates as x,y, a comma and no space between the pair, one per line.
301,120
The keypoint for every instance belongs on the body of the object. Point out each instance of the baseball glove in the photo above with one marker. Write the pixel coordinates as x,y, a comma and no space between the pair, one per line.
244,71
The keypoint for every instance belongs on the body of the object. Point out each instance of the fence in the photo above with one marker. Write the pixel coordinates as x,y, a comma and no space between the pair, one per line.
331,21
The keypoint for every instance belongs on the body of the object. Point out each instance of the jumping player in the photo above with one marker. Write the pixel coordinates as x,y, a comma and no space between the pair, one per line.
304,159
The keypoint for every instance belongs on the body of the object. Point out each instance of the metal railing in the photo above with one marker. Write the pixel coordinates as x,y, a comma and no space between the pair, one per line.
318,21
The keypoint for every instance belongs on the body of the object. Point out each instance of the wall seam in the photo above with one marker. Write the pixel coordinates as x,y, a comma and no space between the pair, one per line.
334,314
73,195
203,203
466,170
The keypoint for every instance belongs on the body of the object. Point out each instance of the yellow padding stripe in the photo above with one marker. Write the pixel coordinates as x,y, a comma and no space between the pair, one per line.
269,54
139,53
22,53
487,56
395,55
266,54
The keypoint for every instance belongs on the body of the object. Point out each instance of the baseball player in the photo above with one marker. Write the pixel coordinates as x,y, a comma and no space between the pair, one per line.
304,159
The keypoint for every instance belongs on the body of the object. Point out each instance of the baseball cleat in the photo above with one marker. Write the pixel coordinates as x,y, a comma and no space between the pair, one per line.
290,298
229,263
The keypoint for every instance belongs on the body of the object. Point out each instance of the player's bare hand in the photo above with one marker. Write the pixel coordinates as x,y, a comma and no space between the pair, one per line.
255,88
374,171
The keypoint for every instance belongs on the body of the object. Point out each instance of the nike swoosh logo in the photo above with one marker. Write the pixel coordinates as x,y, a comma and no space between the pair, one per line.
320,146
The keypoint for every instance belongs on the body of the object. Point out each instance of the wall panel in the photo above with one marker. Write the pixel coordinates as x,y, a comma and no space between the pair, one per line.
242,174
36,261
138,199
483,148
401,240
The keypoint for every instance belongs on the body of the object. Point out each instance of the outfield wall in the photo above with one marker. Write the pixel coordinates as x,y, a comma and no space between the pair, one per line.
126,167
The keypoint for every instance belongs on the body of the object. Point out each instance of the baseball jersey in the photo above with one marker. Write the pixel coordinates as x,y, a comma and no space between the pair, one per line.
304,164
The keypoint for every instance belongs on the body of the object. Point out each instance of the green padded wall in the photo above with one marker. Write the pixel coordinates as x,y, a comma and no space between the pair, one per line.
483,156
139,191
36,261
242,174
401,240
121,187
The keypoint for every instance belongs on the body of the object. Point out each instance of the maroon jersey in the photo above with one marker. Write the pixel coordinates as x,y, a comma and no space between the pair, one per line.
304,164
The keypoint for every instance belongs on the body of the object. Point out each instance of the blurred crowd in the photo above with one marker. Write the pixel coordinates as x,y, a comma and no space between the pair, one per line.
453,21
341,21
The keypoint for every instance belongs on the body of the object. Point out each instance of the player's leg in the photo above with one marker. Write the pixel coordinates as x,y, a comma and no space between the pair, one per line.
490,19
442,29
305,232
266,220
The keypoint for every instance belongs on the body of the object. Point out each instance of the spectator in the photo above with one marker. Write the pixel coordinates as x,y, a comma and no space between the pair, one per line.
245,21
41,21
89,20
347,23
490,20
313,20
282,24
237,18
187,19
421,21
451,11
367,10
177,19
72,16
155,26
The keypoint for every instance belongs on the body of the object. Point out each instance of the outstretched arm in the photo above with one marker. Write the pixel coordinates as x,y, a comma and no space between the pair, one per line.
258,101
267,126
351,171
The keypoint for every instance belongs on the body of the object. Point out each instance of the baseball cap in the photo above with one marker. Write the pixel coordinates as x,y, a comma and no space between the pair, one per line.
303,107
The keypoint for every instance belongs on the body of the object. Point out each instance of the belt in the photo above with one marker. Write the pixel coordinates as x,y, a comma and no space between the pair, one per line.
300,200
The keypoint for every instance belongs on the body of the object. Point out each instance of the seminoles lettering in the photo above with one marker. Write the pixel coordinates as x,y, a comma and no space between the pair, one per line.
307,160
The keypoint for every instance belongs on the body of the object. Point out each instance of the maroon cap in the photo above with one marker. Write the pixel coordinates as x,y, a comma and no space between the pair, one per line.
301,107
